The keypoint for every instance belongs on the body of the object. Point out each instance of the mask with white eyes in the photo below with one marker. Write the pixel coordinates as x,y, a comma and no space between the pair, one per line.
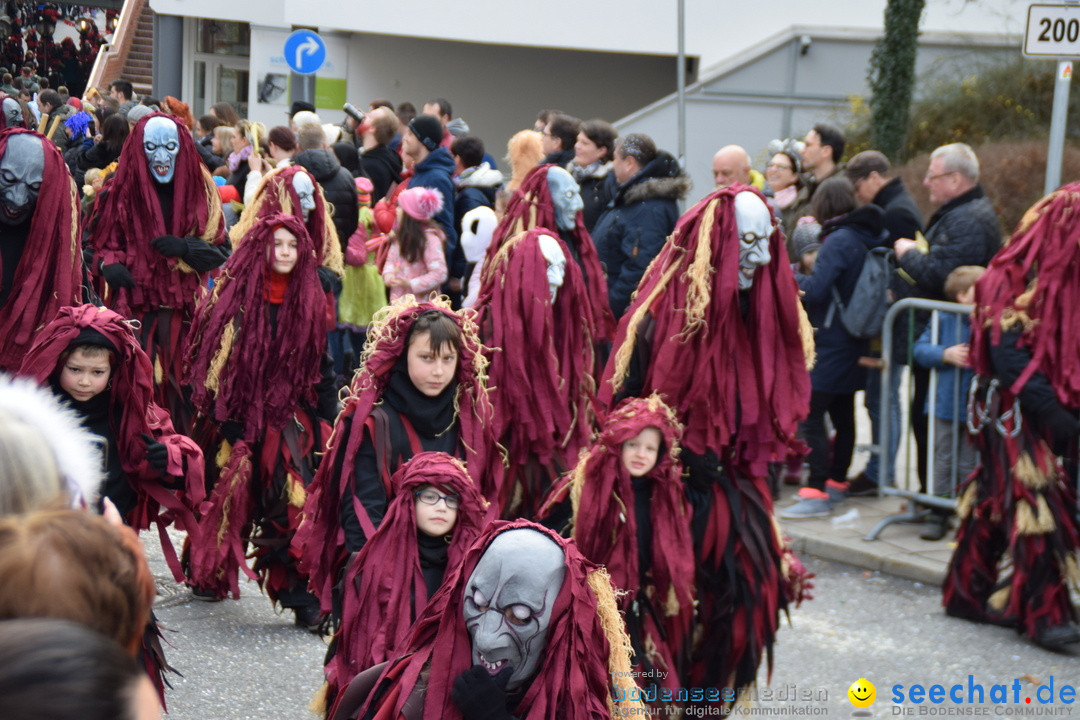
556,264
754,220
305,189
22,170
161,143
566,196
509,599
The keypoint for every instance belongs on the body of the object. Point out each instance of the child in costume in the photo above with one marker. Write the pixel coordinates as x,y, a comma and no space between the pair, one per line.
90,358
416,262
421,386
630,515
436,514
1021,499
262,380
534,306
363,292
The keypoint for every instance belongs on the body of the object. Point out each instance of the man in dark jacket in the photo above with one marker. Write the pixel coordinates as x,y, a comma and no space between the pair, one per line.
434,168
336,181
637,221
476,182
377,160
875,184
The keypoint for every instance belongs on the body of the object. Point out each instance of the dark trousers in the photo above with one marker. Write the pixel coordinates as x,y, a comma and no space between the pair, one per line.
841,411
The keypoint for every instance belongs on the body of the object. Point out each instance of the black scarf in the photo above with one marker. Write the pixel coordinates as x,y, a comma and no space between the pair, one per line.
429,416
433,558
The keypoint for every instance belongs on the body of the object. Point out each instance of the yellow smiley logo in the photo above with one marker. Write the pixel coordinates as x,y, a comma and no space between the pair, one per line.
862,693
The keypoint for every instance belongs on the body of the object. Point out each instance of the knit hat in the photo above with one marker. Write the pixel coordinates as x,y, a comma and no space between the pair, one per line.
300,106
137,113
428,130
805,240
421,203
364,187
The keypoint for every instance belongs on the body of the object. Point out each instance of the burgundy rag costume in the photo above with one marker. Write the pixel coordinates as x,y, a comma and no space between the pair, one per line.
733,366
1020,500
530,207
133,414
639,529
541,375
42,254
133,210
256,355
321,539
382,599
585,654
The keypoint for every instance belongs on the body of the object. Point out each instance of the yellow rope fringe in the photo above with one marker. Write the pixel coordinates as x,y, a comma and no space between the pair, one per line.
223,454
217,363
1034,521
317,706
297,493
619,649
242,475
1072,570
159,374
966,502
626,350
699,275
1028,473
999,599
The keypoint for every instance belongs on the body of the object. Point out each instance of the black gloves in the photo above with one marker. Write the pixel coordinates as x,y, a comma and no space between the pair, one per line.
170,245
118,276
480,695
156,454
328,279
232,431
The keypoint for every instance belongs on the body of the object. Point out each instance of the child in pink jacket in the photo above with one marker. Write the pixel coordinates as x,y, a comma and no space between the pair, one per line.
416,261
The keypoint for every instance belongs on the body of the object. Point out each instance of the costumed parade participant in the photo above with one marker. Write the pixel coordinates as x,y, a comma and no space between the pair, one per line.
436,514
716,328
549,198
533,304
157,231
14,113
421,386
89,357
629,514
525,628
40,258
262,380
1021,499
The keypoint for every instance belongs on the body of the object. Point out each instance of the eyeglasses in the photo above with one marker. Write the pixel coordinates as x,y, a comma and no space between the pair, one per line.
931,178
431,497
778,166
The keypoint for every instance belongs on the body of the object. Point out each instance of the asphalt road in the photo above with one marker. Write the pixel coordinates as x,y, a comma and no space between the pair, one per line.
242,661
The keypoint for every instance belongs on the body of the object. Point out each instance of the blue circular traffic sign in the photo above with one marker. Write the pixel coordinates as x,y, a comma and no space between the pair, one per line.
305,52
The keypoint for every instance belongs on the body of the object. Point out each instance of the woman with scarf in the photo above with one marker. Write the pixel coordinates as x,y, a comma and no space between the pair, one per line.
262,381
534,306
421,387
630,515
591,168
436,514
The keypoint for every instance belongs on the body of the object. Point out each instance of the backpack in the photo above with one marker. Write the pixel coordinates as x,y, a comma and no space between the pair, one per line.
865,312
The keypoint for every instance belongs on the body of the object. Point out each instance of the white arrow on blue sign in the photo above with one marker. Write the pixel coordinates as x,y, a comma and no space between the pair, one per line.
305,52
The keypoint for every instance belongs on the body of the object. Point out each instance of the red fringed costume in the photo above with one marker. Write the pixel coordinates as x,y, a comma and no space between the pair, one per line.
613,513
531,207
133,416
41,259
541,375
321,540
733,366
585,655
382,599
133,210
1020,500
257,362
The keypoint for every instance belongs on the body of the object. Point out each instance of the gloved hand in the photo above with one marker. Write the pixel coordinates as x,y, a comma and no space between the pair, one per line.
156,454
232,431
118,276
170,245
480,695
328,279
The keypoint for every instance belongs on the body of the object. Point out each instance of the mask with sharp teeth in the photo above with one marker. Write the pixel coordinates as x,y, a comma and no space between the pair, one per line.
161,143
754,220
508,602
21,172
305,189
565,196
12,113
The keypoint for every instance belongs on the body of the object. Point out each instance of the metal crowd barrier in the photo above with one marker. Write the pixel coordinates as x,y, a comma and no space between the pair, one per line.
919,502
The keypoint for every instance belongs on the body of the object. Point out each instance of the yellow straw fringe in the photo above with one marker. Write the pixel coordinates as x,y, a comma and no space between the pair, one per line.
626,350
159,374
223,454
699,274
619,649
1034,521
217,363
999,599
242,475
1028,473
297,493
317,706
966,502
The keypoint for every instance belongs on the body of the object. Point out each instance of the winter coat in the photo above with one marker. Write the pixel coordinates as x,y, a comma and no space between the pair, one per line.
953,329
902,220
437,171
81,159
637,221
597,188
845,243
206,152
964,231
476,187
383,166
338,188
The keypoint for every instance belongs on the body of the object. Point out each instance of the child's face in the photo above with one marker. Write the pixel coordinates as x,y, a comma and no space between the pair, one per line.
84,376
438,518
430,371
285,252
640,453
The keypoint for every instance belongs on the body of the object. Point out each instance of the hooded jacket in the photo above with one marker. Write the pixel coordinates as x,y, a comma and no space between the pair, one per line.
436,171
338,188
383,166
637,221
476,187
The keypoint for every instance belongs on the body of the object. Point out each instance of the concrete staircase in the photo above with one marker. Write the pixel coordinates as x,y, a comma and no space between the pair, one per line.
130,55
139,68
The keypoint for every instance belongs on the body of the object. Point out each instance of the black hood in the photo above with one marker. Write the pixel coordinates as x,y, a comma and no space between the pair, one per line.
323,164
